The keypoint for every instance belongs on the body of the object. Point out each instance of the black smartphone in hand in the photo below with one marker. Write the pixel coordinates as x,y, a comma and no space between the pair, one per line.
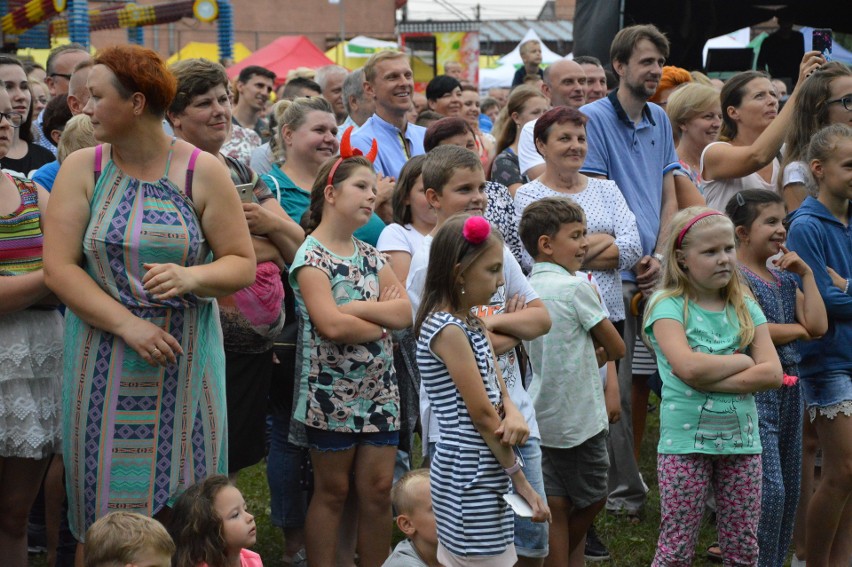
822,42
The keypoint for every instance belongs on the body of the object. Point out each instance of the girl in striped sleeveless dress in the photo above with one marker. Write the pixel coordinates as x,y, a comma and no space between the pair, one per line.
472,466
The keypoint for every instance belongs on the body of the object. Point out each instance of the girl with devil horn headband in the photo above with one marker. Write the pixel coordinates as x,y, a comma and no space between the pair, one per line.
348,297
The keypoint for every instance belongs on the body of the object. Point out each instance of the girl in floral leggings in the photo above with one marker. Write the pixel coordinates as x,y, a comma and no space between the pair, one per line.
713,351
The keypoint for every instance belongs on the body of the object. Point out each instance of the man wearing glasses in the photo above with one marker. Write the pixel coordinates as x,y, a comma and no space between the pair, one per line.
12,118
60,66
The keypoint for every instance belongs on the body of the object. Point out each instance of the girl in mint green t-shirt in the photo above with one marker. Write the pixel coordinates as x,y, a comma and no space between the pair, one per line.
713,352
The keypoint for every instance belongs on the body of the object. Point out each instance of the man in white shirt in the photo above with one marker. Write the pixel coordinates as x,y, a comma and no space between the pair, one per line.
564,85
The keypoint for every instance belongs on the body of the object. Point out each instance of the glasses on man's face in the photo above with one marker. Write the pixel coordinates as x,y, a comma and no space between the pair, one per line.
14,118
63,75
846,101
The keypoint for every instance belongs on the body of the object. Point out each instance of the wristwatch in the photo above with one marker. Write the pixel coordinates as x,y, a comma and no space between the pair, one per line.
519,464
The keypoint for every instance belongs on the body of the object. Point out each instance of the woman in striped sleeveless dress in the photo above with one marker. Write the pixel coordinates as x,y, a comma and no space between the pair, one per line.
471,468
30,352
128,250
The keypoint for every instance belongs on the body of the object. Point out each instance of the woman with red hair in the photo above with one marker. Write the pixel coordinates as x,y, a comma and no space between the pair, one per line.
141,235
672,78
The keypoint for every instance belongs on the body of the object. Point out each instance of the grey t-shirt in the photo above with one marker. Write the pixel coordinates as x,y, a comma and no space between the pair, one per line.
404,555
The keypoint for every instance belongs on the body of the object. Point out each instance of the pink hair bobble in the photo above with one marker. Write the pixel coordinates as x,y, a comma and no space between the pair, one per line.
476,230
790,380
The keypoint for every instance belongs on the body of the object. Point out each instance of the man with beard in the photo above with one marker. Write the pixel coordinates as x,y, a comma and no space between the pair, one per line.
630,142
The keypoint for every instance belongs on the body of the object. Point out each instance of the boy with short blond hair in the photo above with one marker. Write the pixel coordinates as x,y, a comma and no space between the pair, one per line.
566,388
412,504
530,52
126,538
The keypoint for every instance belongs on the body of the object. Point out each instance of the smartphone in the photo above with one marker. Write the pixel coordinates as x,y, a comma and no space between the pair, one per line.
246,191
822,42
519,505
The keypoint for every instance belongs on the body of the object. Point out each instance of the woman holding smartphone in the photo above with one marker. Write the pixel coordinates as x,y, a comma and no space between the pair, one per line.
252,317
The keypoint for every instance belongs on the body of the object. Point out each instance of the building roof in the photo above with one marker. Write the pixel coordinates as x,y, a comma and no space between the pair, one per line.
437,26
496,31
514,30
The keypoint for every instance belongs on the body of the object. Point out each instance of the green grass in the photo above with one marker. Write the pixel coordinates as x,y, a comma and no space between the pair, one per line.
630,545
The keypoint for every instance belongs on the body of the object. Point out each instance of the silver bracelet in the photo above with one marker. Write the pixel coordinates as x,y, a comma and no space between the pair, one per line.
846,289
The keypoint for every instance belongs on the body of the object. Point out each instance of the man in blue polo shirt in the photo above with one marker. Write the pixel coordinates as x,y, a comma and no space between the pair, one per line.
630,142
388,79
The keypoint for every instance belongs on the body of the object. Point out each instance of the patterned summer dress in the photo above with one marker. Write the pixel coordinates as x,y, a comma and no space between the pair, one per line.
137,435
30,343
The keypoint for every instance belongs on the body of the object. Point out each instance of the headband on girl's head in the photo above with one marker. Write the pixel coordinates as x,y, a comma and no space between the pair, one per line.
692,221
347,152
476,230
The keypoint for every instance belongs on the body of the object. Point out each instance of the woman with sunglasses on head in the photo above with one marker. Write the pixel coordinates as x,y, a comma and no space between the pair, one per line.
24,156
30,351
824,99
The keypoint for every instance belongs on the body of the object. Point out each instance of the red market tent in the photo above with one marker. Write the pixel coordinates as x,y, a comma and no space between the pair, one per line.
285,53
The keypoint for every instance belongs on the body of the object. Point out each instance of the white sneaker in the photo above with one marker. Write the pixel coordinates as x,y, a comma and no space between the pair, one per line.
796,562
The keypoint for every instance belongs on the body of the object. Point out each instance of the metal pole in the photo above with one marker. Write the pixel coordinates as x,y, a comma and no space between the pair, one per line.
342,24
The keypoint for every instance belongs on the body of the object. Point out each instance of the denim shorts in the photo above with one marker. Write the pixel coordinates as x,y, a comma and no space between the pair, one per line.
531,537
322,440
828,392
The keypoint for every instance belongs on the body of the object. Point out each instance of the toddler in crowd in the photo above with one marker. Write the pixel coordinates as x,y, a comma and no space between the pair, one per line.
212,527
412,503
127,539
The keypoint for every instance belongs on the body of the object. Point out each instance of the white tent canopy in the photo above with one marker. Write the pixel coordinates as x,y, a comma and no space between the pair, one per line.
498,77
364,47
514,56
739,38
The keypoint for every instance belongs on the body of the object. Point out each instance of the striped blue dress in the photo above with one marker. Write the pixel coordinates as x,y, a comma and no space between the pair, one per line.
467,481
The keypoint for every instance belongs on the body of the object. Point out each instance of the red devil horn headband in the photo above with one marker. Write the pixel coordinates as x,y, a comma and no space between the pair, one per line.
346,151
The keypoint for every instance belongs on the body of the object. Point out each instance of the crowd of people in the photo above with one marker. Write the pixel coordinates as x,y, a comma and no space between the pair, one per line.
197,274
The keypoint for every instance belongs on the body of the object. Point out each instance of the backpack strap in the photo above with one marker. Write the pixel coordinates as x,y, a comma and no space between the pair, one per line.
190,171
